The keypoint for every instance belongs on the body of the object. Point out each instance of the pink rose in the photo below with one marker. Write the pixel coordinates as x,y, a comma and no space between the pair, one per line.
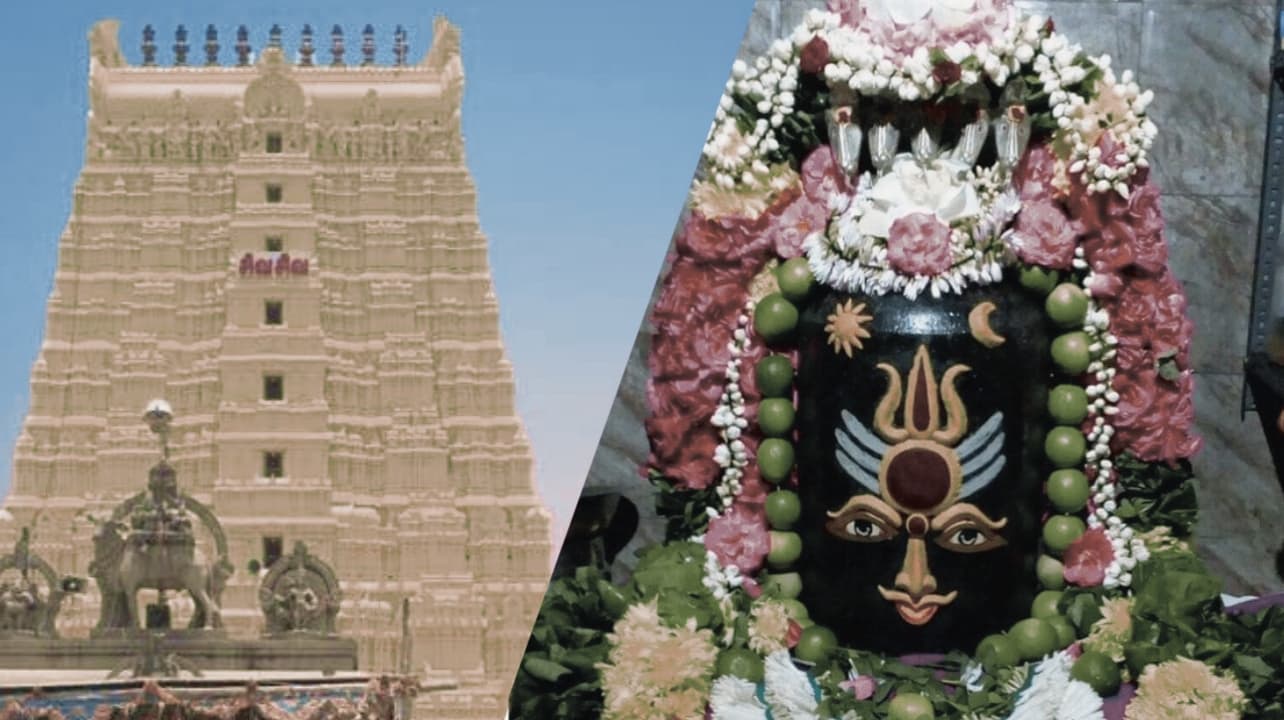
861,686
1045,235
848,11
1150,252
1148,316
794,634
1109,244
694,319
919,244
821,176
1122,234
726,241
809,212
1160,423
1164,329
903,27
790,222
1035,176
1136,396
739,538
1087,558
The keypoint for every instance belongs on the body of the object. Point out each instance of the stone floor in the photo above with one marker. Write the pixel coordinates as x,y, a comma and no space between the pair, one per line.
1208,63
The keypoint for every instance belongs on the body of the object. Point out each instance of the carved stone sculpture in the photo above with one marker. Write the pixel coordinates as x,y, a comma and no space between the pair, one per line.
300,594
25,607
157,550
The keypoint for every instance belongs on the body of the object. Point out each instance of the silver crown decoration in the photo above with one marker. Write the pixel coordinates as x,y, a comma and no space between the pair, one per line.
960,132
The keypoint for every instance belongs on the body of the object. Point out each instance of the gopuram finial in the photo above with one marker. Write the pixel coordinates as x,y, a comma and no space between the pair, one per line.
242,46
399,46
149,46
336,46
180,46
211,45
367,46
305,47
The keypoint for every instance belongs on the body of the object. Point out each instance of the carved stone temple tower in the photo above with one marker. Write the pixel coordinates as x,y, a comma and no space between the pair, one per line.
286,249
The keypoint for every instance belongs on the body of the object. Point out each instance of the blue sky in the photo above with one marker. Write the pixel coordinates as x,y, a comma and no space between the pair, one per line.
583,124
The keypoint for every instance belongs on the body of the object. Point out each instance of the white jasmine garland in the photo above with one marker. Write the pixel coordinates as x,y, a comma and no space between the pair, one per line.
729,417
976,203
1119,108
760,95
1099,461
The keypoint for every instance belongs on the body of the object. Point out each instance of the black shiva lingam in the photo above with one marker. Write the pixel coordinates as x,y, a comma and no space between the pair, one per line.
920,464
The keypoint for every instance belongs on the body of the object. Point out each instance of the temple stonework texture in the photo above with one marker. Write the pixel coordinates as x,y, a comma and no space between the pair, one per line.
289,253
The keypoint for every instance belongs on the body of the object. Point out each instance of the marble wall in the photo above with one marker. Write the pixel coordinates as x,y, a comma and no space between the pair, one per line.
1208,63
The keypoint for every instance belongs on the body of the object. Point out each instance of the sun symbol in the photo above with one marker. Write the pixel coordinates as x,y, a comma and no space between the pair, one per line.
846,327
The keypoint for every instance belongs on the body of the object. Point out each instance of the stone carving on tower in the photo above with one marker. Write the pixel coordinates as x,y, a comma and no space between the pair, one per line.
31,592
150,542
300,594
288,250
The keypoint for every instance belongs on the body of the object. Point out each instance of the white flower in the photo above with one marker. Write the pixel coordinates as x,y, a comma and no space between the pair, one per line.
954,14
958,52
939,189
902,12
971,677
1053,695
735,699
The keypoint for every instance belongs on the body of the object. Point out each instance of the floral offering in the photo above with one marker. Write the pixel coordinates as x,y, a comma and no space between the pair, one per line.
920,406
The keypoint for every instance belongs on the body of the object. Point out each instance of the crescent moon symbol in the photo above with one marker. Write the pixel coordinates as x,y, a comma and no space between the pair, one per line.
978,322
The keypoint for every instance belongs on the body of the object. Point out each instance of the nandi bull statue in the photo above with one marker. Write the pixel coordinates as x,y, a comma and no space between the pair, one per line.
150,542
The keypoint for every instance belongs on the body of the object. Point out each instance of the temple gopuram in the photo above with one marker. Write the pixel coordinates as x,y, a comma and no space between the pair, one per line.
285,247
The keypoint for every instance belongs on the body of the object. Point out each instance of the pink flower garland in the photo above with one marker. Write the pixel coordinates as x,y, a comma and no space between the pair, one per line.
694,317
710,269
1043,234
1123,242
983,22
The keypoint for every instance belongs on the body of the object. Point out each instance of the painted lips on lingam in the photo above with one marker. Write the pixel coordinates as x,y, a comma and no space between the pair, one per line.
913,463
